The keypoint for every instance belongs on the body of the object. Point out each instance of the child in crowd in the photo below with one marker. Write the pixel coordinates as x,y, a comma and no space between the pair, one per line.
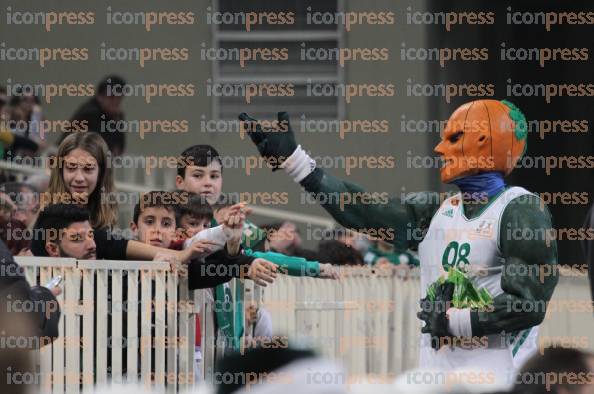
80,175
195,219
154,223
201,172
26,200
283,237
348,247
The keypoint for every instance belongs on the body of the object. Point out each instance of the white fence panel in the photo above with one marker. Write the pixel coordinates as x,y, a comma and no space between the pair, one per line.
372,317
88,313
172,337
367,320
102,317
132,321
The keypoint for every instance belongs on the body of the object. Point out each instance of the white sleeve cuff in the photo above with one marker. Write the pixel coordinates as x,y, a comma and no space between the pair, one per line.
299,165
214,234
459,322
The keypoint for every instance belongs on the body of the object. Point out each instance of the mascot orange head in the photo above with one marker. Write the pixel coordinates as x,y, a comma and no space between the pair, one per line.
481,136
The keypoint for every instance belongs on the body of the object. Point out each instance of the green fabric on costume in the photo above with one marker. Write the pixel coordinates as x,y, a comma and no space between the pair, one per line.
408,219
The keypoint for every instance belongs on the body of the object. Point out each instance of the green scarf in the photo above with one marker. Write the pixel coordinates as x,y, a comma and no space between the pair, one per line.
229,328
291,265
231,331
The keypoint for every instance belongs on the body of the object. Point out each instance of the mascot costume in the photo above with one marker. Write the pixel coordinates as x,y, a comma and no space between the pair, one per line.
488,267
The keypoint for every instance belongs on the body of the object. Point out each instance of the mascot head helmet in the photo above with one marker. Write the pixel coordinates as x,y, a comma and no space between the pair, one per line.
482,136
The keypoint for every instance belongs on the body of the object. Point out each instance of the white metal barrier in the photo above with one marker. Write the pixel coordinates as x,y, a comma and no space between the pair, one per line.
365,320
149,314
368,319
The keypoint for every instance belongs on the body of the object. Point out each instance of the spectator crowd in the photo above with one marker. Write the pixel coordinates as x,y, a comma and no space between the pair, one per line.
196,226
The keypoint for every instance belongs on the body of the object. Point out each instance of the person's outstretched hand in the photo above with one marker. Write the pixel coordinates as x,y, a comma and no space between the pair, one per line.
262,271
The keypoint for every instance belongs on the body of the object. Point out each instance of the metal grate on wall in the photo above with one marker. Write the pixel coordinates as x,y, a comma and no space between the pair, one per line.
294,70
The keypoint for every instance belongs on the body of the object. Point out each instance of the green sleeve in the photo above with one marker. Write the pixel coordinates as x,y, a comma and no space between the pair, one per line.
400,222
529,273
294,266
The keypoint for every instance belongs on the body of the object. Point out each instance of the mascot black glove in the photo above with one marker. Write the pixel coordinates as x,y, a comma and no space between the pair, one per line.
275,145
278,146
433,313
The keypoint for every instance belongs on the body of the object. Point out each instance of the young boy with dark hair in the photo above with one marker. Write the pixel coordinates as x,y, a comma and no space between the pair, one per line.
193,217
201,173
154,222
